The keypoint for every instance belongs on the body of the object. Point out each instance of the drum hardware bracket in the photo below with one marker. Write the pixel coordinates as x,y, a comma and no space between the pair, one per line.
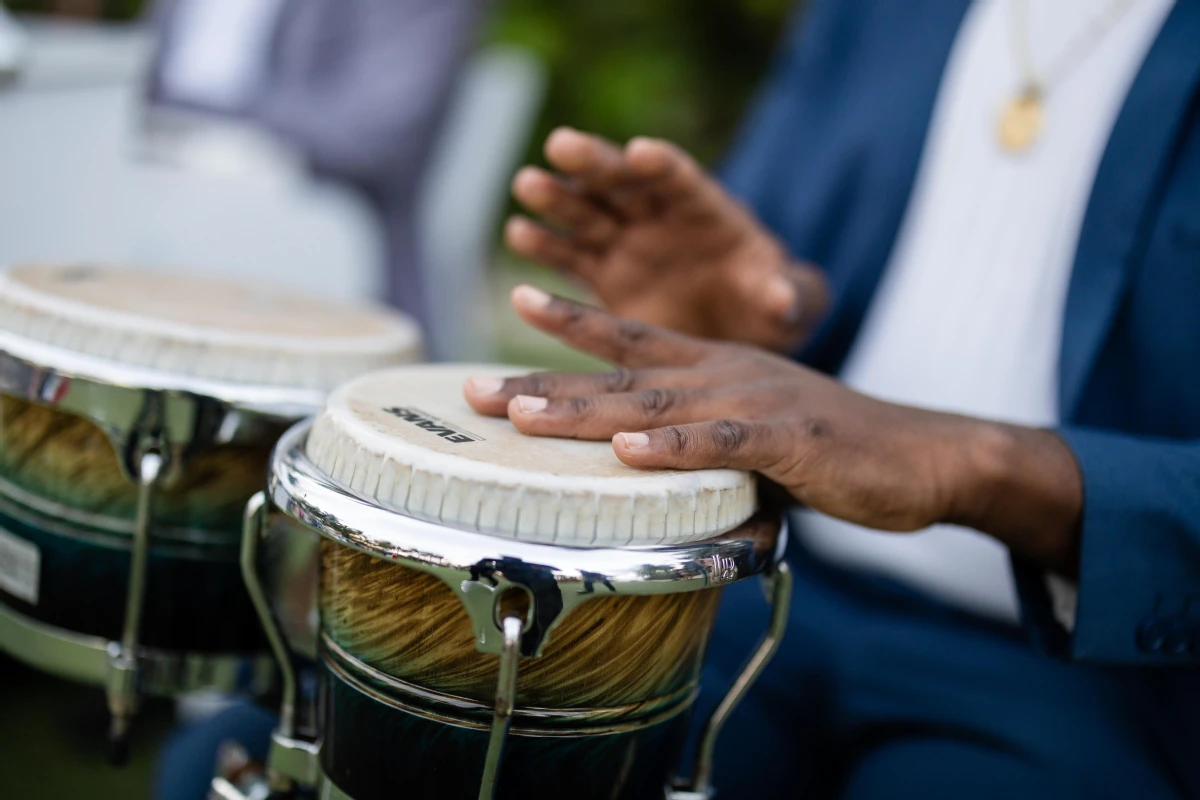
506,700
490,580
122,685
779,584
293,761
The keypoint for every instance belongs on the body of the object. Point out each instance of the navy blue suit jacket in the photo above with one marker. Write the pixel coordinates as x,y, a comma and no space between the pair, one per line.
828,160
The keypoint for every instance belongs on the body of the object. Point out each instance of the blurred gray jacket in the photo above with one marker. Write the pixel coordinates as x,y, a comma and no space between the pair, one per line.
359,87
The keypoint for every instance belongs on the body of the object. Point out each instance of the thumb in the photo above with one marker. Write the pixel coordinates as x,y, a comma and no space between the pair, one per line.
775,303
782,297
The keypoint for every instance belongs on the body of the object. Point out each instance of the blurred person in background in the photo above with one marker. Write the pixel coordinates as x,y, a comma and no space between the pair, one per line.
12,45
984,219
358,87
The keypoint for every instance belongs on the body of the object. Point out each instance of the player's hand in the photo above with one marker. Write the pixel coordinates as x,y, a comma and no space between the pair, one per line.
680,402
659,241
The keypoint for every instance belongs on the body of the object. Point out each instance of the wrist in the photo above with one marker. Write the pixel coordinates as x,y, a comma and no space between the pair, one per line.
1023,487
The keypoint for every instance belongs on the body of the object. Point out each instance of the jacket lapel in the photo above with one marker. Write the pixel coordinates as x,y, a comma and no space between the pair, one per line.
1131,173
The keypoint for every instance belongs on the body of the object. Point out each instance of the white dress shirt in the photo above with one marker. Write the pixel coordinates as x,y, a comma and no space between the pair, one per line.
968,316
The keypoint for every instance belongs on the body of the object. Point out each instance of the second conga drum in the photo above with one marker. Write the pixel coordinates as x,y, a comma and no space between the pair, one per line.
442,530
137,414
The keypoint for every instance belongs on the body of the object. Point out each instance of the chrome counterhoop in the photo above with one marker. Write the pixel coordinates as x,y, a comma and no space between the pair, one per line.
132,405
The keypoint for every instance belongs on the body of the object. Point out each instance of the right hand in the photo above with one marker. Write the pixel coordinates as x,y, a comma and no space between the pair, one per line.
659,241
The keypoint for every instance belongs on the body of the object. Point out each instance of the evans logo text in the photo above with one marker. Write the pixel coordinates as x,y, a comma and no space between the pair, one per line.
434,425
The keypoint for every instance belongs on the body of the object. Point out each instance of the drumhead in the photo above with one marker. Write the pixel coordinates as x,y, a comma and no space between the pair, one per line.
202,327
406,439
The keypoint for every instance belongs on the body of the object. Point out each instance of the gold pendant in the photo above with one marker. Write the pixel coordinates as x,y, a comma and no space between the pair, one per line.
1021,120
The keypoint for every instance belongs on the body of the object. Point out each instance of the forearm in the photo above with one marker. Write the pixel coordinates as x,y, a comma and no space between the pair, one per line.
1023,487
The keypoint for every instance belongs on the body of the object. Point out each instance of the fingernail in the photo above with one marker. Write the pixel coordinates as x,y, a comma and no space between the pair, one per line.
530,297
633,441
486,385
530,405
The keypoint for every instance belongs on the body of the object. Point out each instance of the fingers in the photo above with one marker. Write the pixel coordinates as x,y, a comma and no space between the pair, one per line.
528,239
717,444
489,395
635,181
622,342
601,416
672,174
555,201
598,163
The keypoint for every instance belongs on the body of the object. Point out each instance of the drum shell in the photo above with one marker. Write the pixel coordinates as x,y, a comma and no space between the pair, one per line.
609,651
372,751
633,661
195,599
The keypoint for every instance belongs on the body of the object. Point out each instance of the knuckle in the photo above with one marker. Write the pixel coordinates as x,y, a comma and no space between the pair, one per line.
631,333
571,312
677,440
729,435
618,381
630,337
581,406
815,428
656,402
535,384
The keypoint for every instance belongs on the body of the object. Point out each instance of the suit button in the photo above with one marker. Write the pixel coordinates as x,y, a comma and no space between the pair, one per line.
1153,634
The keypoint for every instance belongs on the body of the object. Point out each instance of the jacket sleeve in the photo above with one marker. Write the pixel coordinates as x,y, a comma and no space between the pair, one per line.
1139,573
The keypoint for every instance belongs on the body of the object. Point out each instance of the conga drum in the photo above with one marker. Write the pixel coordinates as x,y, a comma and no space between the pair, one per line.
501,615
137,416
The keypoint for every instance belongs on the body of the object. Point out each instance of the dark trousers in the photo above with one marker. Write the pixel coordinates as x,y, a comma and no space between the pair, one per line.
879,692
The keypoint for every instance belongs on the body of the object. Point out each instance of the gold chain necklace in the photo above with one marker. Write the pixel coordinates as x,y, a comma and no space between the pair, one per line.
1022,116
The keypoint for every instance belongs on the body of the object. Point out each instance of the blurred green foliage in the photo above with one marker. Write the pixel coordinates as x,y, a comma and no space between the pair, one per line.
679,69
108,9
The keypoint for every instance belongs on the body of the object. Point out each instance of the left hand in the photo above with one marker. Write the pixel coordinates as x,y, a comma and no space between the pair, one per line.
684,403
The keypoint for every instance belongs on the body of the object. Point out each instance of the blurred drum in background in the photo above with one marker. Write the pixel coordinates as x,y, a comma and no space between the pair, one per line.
501,615
137,416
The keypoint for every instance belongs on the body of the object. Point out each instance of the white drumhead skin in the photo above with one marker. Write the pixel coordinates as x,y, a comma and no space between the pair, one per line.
202,327
407,439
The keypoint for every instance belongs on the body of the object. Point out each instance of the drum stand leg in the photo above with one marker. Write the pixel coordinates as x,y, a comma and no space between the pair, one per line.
506,697
122,688
700,787
291,760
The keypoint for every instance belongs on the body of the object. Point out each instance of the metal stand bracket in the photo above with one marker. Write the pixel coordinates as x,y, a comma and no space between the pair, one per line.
700,786
506,700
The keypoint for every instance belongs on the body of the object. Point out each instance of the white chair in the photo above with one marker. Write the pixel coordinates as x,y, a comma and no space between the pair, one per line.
80,181
87,174
466,191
